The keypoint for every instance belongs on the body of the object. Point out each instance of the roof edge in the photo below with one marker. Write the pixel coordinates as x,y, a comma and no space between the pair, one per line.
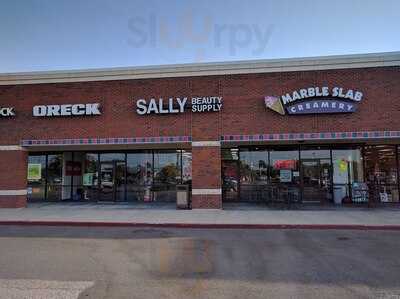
206,69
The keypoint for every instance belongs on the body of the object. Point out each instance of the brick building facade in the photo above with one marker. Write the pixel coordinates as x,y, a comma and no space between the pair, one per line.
243,121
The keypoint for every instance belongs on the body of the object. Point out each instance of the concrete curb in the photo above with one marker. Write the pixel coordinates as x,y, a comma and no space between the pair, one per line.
203,225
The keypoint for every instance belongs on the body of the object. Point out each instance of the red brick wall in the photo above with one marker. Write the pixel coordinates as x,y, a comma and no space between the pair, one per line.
243,111
12,201
13,165
206,202
206,164
206,174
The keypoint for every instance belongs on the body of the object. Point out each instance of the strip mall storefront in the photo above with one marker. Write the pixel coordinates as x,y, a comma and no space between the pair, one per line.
307,131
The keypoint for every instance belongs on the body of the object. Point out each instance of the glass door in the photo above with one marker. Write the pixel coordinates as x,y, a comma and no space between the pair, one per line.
316,180
230,180
112,177
230,174
107,181
316,171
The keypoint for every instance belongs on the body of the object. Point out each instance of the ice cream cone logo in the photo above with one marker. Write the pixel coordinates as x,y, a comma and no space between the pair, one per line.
274,104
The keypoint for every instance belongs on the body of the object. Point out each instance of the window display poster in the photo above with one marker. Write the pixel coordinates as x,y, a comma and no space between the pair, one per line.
73,168
88,179
34,172
285,175
284,164
342,164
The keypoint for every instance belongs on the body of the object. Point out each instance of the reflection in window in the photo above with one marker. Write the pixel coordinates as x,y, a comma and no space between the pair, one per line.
315,154
112,157
139,176
90,177
229,154
254,167
381,171
91,171
167,167
54,169
285,166
54,176
139,169
167,173
316,171
186,167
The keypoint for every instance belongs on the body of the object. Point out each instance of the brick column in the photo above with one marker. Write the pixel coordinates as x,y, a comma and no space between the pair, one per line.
206,148
206,175
13,177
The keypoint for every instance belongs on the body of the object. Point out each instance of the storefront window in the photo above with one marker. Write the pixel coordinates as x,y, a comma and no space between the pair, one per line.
316,175
230,174
167,173
139,176
54,176
284,166
348,176
381,171
139,168
112,157
253,174
112,177
108,176
284,174
187,167
90,177
68,169
167,167
253,166
229,154
36,177
74,175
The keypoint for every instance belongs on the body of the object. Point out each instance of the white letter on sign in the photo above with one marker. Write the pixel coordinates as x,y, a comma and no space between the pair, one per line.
39,110
182,104
78,109
141,107
66,110
53,110
92,109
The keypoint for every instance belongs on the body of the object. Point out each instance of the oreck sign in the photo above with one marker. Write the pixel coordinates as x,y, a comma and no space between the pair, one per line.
315,100
7,111
66,110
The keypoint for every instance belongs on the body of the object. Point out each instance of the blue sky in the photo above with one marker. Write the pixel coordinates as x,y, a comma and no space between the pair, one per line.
39,35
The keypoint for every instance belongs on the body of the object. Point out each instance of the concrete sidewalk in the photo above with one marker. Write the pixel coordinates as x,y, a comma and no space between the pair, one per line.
126,215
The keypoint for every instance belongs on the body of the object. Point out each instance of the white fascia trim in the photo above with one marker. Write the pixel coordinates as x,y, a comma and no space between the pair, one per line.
205,143
207,69
13,192
11,148
206,191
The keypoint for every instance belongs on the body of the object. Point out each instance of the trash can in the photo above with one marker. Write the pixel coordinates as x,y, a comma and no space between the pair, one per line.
182,197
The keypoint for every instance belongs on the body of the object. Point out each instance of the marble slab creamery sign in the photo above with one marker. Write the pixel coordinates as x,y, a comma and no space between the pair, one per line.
315,100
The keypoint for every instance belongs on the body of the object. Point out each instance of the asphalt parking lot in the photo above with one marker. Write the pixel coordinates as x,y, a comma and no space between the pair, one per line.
104,262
